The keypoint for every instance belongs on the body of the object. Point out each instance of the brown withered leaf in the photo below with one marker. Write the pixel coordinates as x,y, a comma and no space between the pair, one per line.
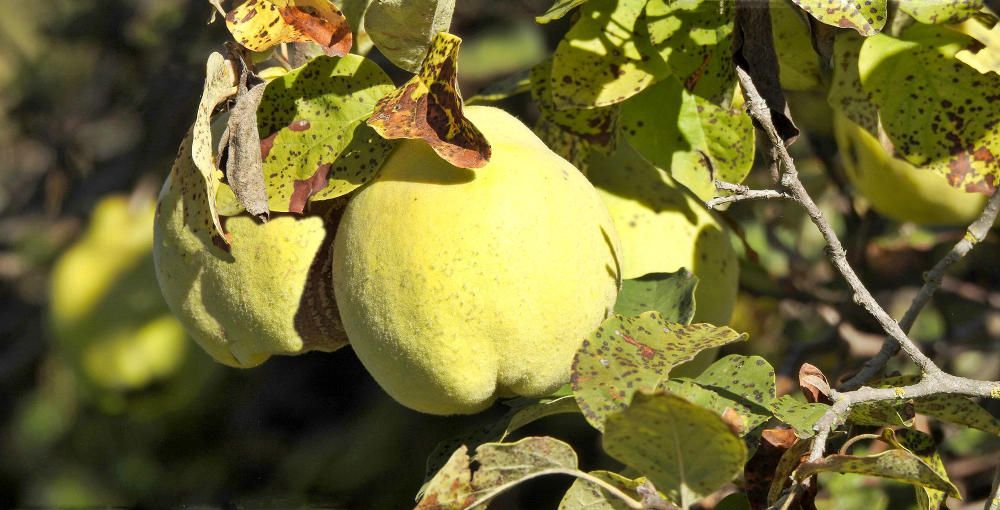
759,471
262,24
244,166
814,384
429,108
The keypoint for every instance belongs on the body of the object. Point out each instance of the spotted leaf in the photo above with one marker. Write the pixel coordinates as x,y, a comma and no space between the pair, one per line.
940,12
899,465
261,24
315,143
671,294
429,108
696,139
748,381
951,408
800,415
685,450
626,354
865,16
949,116
695,39
606,57
923,446
584,495
846,92
799,65
199,183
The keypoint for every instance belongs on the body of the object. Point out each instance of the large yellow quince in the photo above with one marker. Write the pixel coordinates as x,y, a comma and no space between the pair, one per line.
457,286
106,313
270,294
895,187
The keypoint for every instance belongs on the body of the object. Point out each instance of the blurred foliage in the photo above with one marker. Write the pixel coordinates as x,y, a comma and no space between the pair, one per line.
94,97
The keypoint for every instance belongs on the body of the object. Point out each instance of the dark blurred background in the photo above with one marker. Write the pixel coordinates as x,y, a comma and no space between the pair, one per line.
104,402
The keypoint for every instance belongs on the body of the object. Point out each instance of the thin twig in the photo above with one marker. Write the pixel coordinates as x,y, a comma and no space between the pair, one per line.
741,192
974,235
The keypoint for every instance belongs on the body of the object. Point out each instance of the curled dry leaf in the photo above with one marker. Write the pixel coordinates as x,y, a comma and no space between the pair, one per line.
429,108
814,384
244,166
262,24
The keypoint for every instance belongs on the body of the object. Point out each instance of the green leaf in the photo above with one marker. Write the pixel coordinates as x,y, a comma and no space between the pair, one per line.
880,414
956,409
800,415
671,294
899,465
948,118
940,12
786,465
846,92
686,451
605,57
584,495
559,9
199,183
921,445
402,29
697,140
498,466
695,39
627,354
798,63
747,381
866,17
322,148
538,410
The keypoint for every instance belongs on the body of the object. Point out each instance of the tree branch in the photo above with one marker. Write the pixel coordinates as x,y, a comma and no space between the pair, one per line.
741,192
974,235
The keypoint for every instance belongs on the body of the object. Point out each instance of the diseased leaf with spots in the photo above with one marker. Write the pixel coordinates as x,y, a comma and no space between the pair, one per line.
262,24
403,29
571,132
606,57
465,480
880,414
429,108
315,143
956,409
199,187
984,54
685,450
584,495
697,140
940,12
899,465
923,446
695,39
798,63
671,294
800,415
748,381
949,116
865,16
626,354
846,92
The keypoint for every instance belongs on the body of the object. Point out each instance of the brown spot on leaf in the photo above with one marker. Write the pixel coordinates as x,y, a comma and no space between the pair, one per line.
286,21
305,188
429,108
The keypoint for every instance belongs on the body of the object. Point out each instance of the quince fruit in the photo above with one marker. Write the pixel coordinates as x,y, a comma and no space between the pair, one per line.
458,286
106,313
895,187
269,294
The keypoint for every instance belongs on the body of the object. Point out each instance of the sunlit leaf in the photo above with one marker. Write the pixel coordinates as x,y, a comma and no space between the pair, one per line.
626,354
262,24
695,39
923,446
403,29
685,450
584,495
315,143
798,62
746,380
605,57
867,16
948,118
429,108
940,12
984,54
846,92
952,408
800,415
559,9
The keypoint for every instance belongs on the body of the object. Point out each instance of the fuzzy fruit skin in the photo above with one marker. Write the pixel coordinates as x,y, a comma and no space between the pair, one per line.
456,286
246,305
663,228
898,189
105,311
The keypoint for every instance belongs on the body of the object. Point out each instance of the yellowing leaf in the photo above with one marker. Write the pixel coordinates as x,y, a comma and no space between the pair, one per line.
429,108
866,16
262,24
984,56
